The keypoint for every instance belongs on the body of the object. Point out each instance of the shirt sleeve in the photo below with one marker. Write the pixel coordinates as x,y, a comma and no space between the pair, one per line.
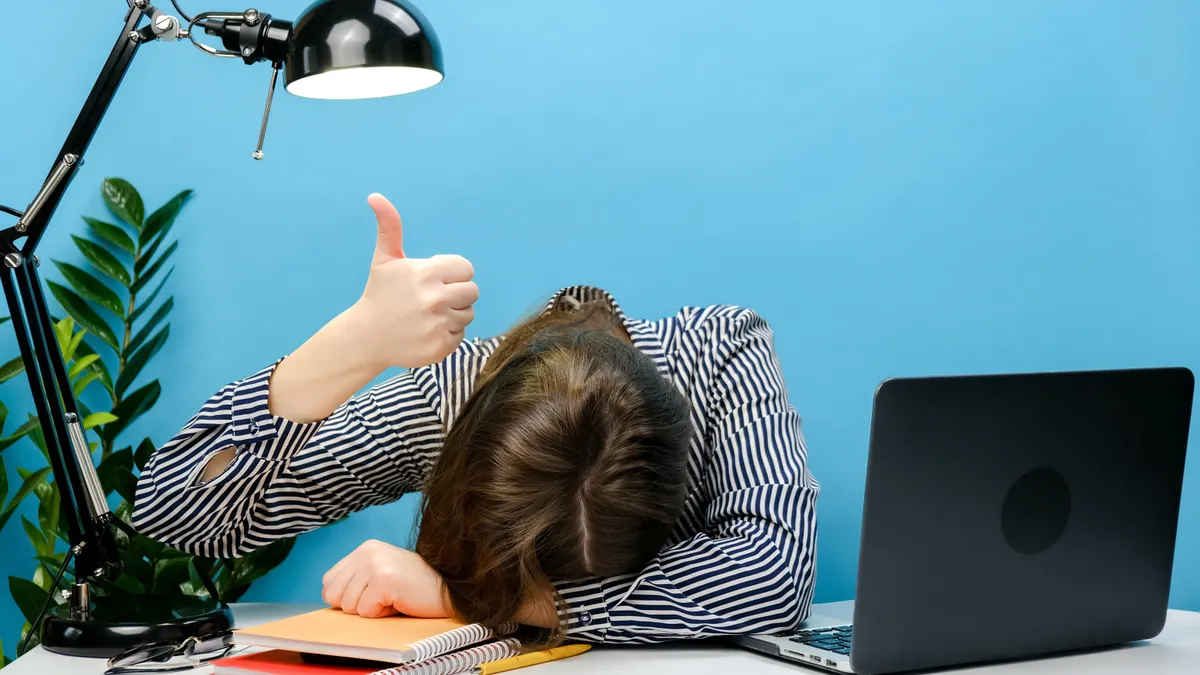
752,568
285,478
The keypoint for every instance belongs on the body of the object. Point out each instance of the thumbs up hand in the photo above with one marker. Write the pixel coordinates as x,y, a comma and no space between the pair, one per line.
414,310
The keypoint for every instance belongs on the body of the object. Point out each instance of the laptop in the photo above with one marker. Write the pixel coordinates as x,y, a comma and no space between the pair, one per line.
1006,517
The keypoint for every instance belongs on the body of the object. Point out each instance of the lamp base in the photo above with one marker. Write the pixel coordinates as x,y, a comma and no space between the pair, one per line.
116,624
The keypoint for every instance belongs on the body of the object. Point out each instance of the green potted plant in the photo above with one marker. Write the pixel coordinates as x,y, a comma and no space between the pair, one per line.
115,324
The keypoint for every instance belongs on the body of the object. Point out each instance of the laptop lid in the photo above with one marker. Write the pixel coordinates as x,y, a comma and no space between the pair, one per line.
1013,515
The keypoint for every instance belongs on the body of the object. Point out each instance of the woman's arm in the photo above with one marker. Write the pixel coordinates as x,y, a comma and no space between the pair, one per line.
753,568
283,477
314,380
412,313
283,451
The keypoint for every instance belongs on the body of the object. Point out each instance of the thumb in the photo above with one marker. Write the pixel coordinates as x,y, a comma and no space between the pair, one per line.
389,244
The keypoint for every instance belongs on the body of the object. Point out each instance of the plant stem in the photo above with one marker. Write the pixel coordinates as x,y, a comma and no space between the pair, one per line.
137,257
106,445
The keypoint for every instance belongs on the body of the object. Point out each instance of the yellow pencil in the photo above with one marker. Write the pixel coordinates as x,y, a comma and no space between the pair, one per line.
531,659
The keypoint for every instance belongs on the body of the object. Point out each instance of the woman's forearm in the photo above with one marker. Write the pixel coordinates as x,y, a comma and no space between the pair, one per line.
413,312
313,381
324,372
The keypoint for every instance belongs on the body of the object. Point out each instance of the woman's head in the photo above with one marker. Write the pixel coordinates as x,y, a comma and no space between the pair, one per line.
568,461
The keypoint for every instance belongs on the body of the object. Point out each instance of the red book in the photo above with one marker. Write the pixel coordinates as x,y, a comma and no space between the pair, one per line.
280,662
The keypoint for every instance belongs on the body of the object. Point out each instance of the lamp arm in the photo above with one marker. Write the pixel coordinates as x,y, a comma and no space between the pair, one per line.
89,522
394,38
88,519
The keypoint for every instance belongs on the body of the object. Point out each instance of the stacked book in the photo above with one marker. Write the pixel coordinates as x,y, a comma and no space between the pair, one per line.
330,642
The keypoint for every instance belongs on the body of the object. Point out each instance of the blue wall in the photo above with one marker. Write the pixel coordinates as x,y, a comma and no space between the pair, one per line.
900,188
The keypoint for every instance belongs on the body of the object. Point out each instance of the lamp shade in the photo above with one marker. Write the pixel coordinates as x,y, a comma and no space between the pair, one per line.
347,49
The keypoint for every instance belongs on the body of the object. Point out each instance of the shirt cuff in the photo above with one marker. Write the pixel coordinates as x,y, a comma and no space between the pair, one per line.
584,607
252,425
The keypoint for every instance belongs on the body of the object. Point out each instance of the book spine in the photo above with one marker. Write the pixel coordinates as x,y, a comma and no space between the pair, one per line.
458,662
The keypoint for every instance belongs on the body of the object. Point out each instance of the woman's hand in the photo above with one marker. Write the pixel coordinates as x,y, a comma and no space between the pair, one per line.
413,313
379,579
415,310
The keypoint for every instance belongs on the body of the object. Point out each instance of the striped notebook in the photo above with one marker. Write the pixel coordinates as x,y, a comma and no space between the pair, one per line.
397,639
279,662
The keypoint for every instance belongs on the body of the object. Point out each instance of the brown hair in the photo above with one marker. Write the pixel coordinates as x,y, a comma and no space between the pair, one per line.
568,461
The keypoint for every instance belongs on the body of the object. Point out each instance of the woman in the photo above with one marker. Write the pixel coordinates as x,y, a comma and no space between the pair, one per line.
607,478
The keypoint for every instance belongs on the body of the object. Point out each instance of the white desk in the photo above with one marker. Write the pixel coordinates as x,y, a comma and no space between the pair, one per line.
1175,651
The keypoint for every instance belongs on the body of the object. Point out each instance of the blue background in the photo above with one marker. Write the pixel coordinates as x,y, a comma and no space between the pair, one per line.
900,188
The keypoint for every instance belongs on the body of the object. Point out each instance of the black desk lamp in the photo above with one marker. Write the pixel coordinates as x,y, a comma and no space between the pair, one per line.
338,49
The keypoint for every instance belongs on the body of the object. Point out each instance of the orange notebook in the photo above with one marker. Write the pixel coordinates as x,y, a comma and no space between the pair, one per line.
396,639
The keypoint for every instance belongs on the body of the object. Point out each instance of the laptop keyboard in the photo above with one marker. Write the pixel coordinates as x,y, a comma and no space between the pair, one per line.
835,639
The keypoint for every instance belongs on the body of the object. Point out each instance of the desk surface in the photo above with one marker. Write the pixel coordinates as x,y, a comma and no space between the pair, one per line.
1176,650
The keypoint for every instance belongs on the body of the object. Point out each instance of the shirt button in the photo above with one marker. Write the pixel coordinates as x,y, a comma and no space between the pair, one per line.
585,618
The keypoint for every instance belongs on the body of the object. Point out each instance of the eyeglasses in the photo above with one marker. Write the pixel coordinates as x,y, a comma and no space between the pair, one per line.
168,657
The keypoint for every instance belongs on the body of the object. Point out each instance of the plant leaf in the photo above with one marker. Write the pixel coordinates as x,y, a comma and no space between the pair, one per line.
31,425
73,345
63,330
150,300
162,219
8,441
11,369
28,596
139,359
124,201
154,320
84,314
258,562
32,480
83,382
112,234
169,573
147,256
98,418
147,546
119,463
223,578
47,573
131,407
98,367
169,552
149,272
126,486
3,482
81,364
49,508
123,511
102,259
29,643
54,562
35,536
137,567
145,450
91,288
128,583
36,435
27,485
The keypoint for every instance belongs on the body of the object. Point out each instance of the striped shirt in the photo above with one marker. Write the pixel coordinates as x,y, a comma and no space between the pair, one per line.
741,558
